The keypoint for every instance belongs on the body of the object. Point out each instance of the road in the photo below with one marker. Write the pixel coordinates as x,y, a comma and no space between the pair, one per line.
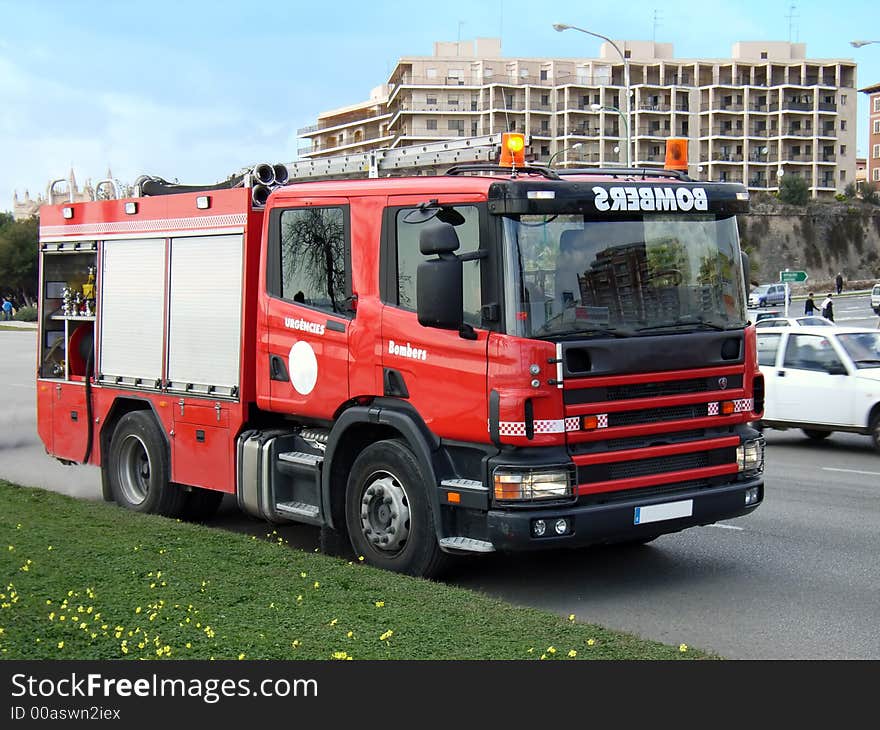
797,579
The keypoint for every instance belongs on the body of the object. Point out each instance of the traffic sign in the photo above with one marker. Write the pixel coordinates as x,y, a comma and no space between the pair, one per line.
792,276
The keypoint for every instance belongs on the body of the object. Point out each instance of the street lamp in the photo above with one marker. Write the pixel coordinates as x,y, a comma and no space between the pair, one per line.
859,44
599,108
559,27
575,146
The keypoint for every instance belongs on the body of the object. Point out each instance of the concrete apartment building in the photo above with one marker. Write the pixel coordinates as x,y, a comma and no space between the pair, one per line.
872,173
767,110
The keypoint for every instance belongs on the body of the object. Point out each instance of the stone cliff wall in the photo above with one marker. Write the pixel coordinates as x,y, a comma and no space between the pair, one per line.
821,239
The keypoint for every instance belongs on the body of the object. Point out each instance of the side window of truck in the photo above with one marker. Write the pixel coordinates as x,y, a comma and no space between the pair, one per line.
312,258
409,257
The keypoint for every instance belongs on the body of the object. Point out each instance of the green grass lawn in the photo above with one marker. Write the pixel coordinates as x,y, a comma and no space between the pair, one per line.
85,580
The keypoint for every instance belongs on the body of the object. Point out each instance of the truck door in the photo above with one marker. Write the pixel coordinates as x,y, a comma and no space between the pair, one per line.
308,308
440,373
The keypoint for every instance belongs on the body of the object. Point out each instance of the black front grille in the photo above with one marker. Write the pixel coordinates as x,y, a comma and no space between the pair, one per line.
652,390
655,415
639,442
657,465
627,495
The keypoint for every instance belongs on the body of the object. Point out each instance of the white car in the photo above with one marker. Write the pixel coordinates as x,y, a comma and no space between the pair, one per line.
821,379
768,294
875,298
806,321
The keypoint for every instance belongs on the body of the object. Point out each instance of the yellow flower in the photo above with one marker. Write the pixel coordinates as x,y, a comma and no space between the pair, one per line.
241,656
572,654
531,649
360,558
295,643
380,604
682,647
299,599
11,548
334,622
551,649
571,617
303,575
350,634
189,645
60,644
340,655
50,547
52,616
590,642
387,635
317,585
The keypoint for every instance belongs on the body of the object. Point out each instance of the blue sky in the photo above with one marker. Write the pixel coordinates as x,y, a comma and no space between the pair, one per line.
197,89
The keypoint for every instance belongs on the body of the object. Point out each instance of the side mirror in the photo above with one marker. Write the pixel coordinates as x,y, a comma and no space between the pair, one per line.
440,298
439,282
835,368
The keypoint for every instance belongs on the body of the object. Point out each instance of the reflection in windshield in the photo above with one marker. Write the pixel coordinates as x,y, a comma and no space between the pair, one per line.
862,347
645,273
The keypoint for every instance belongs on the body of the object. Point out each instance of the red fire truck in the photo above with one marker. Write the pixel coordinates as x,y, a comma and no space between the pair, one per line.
495,358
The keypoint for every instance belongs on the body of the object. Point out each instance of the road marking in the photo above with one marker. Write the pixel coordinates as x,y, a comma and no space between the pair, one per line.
852,471
727,527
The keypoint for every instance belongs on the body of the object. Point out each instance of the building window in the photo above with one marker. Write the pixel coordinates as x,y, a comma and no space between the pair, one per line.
842,149
310,238
543,74
763,55
456,125
487,72
627,54
431,124
875,174
843,125
876,100
453,100
876,126
431,73
545,99
432,100
842,175
409,258
843,100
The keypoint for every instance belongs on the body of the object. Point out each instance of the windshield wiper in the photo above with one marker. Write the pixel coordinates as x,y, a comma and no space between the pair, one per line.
683,323
587,332
867,360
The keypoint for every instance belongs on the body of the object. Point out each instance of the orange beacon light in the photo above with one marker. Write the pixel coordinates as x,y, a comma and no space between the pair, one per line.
513,150
676,154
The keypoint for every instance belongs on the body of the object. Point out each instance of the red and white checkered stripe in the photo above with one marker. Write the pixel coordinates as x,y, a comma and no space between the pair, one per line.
573,423
602,420
743,405
512,428
712,409
557,425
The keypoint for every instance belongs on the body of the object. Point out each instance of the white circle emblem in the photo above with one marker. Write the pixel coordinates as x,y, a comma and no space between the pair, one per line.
303,367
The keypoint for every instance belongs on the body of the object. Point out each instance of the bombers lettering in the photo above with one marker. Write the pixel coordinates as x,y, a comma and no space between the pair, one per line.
413,353
304,325
650,198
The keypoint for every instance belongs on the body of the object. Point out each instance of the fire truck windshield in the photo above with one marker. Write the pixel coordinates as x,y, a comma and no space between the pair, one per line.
648,273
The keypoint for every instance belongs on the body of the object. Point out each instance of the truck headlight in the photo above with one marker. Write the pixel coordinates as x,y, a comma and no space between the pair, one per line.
512,484
750,457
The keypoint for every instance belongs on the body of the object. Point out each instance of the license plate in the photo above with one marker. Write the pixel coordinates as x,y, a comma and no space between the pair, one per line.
660,512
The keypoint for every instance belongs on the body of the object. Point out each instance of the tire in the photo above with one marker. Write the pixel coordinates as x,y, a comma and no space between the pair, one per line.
388,512
875,431
815,435
201,504
138,468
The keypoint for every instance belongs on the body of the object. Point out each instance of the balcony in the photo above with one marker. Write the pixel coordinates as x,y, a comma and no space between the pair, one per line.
827,132
758,182
644,107
825,106
797,106
653,132
795,132
726,132
305,130
726,157
797,158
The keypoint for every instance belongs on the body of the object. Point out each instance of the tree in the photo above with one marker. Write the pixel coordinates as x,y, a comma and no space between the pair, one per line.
870,193
793,189
19,258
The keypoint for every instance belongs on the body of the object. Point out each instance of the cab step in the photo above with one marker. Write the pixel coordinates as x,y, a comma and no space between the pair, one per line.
467,544
298,509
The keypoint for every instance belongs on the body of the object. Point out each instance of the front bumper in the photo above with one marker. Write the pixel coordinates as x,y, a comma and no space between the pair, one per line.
511,530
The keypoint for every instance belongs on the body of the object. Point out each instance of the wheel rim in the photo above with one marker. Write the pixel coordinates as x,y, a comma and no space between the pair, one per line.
384,512
133,469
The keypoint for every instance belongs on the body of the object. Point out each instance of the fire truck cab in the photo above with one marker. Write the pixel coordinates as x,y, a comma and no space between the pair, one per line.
421,366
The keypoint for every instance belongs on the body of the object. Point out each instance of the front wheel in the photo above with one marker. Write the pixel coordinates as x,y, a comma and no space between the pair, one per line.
388,511
816,435
138,467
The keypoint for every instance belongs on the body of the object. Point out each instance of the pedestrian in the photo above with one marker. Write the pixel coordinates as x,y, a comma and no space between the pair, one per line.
7,309
839,281
828,308
809,305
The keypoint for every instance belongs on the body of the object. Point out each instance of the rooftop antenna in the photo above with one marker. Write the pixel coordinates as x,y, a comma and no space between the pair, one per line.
792,24
657,20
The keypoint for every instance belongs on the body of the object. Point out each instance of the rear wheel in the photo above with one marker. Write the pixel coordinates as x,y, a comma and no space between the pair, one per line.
816,435
138,467
388,512
875,432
